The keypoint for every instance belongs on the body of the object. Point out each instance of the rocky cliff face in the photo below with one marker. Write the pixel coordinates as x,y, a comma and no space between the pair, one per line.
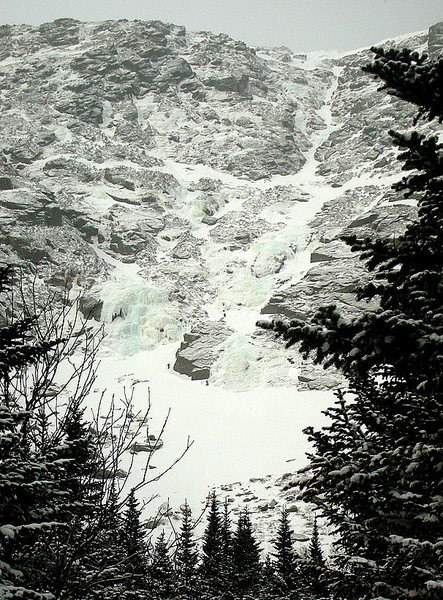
184,183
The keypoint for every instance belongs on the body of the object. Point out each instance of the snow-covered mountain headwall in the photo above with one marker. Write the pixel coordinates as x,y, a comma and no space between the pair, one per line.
184,183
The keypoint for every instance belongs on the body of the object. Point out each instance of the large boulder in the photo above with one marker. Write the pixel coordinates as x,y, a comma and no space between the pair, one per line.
201,348
270,261
6,183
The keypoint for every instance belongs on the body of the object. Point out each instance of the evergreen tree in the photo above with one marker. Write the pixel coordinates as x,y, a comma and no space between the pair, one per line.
315,551
227,541
245,557
187,555
59,551
375,475
76,449
312,572
226,528
268,569
18,346
135,550
161,571
212,548
284,555
104,567
270,584
411,77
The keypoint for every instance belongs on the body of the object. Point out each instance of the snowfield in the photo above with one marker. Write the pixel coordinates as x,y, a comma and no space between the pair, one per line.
235,435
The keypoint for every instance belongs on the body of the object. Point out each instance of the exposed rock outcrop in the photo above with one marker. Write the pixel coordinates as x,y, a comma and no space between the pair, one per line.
200,349
196,160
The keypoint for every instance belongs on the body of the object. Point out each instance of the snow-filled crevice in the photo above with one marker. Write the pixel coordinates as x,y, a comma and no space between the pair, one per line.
290,247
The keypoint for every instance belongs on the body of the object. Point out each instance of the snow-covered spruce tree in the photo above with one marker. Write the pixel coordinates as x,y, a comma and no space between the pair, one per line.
211,571
315,551
284,554
376,469
186,557
312,573
227,540
270,582
245,557
134,545
115,566
59,551
376,476
161,578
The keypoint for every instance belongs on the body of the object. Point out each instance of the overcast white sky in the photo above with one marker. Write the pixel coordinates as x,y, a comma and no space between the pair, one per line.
302,25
